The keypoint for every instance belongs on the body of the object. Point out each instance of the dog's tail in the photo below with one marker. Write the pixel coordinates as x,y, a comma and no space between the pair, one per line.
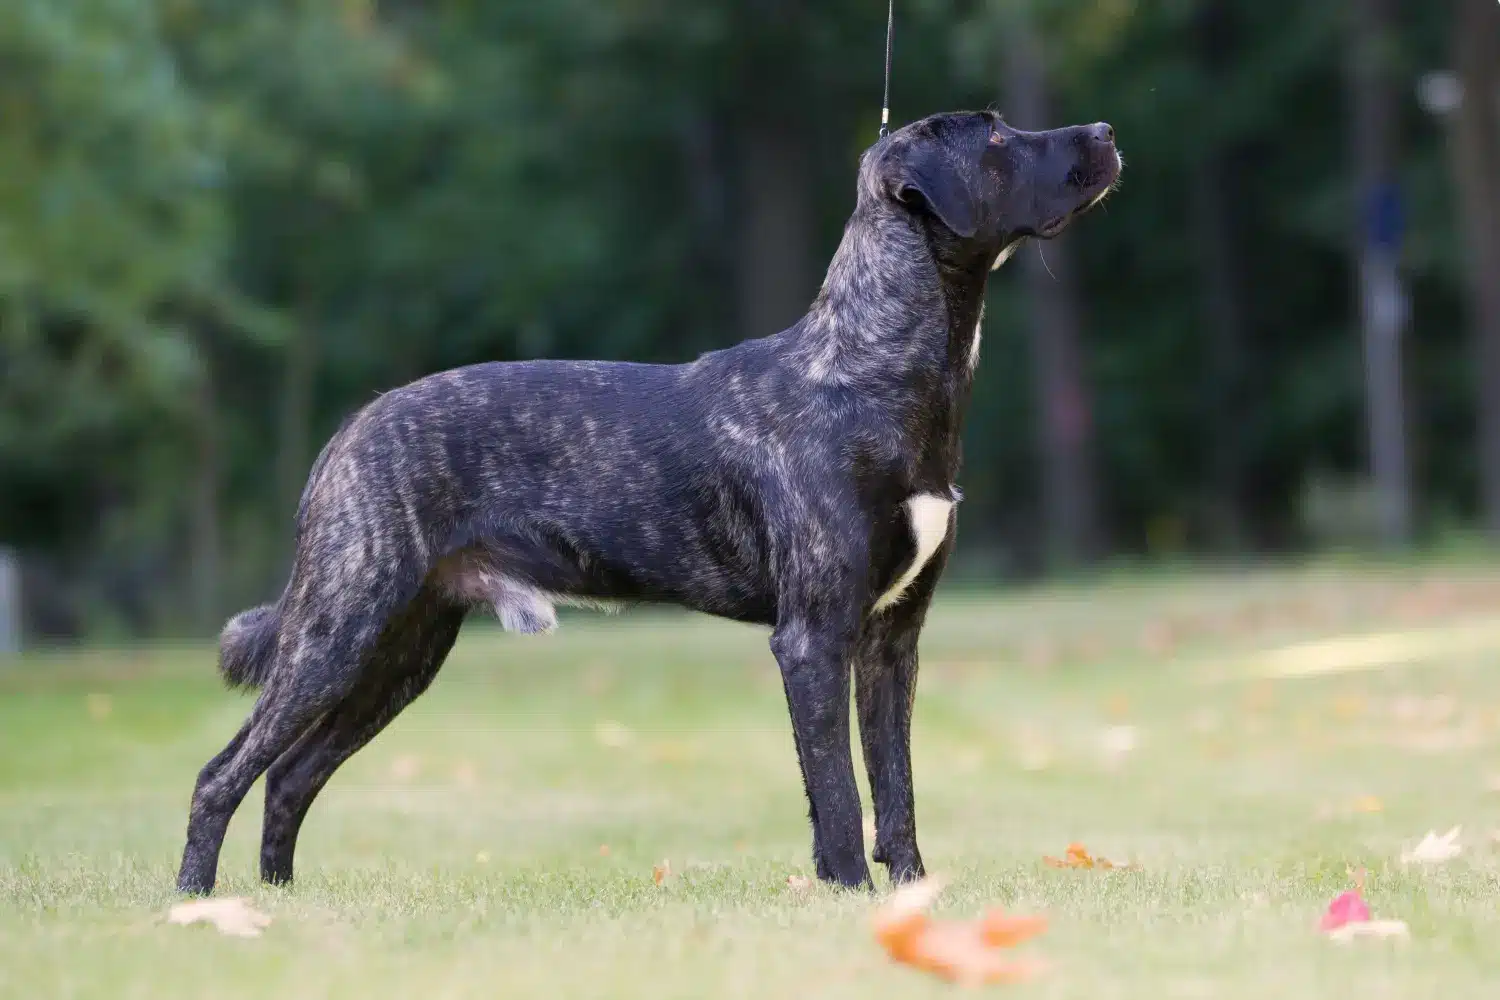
247,646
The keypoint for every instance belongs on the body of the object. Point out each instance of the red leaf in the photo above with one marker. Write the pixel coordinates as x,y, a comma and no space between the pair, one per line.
1347,907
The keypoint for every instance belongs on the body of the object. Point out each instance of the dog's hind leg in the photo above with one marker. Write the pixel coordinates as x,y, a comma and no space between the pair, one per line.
320,659
404,662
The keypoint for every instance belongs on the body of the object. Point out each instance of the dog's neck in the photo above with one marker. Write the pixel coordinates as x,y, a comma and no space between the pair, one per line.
900,304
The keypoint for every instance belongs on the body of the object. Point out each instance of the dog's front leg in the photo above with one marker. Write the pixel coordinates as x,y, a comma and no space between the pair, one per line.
814,653
885,670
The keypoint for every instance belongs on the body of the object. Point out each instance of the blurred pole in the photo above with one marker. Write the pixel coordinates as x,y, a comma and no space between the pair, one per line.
1476,162
10,602
1069,501
1382,297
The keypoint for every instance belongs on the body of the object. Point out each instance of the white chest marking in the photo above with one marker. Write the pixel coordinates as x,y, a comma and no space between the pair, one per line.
929,526
974,344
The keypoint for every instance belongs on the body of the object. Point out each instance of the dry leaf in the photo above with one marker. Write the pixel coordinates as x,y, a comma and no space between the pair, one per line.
1077,856
662,872
799,883
968,952
1433,849
231,916
1371,928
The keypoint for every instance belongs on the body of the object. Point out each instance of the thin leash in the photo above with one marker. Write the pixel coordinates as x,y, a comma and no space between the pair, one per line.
885,104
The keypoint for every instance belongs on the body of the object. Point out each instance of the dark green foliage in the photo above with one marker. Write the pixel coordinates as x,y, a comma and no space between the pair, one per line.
223,225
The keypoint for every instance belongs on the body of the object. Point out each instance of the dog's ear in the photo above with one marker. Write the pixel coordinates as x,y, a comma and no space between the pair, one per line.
925,171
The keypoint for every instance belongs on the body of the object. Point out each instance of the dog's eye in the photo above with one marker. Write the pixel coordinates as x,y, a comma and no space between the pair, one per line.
996,139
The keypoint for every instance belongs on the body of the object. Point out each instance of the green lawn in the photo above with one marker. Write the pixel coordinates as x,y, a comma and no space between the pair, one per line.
499,839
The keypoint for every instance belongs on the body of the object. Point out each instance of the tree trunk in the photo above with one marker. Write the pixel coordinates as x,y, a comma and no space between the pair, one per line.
1382,297
775,279
204,515
1476,163
1213,177
298,374
1065,440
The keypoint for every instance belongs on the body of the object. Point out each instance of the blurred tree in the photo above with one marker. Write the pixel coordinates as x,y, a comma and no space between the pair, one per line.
225,225
1476,158
1065,418
1215,178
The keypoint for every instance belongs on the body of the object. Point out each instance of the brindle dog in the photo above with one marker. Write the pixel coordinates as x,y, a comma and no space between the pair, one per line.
803,481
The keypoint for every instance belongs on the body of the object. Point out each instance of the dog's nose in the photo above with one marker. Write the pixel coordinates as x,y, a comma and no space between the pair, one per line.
1103,131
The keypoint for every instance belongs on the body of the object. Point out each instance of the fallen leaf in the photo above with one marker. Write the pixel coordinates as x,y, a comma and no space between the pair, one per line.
1371,928
1077,856
231,916
1004,930
967,952
662,872
798,883
1433,849
1347,907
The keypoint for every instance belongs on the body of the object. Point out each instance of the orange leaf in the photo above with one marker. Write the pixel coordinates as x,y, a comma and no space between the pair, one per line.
1077,856
1001,930
970,952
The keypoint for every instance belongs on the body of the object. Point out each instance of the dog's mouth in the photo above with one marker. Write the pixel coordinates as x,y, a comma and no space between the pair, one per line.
1093,187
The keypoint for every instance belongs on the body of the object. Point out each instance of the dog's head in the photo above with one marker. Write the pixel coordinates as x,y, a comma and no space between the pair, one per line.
990,184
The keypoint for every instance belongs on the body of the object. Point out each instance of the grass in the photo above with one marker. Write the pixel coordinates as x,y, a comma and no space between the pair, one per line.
498,840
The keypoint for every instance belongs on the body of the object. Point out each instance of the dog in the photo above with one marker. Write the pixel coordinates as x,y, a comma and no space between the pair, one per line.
804,481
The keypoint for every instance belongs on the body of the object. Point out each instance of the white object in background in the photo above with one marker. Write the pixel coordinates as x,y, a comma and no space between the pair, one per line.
10,602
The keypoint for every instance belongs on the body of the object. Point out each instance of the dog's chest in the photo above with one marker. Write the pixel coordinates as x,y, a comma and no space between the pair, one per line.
926,519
